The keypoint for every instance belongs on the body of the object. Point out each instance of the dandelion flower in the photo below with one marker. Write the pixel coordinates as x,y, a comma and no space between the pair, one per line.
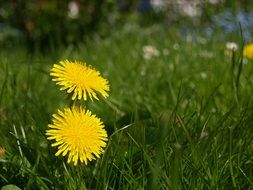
79,79
248,51
77,133
231,48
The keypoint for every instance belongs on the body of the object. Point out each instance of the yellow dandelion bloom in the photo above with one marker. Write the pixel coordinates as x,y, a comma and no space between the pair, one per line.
248,51
79,79
77,133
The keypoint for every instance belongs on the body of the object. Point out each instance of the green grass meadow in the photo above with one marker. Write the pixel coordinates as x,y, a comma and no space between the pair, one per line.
182,119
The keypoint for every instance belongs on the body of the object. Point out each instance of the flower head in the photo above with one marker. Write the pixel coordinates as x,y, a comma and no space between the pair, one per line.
73,9
248,51
77,133
80,79
231,48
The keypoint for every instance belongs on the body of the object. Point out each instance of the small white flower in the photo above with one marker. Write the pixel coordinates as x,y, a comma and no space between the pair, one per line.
73,9
159,5
149,52
232,46
203,75
190,9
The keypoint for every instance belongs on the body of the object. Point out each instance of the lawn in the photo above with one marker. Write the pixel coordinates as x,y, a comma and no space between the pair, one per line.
179,113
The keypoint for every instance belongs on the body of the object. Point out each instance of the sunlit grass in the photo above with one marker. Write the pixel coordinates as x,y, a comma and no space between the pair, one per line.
179,120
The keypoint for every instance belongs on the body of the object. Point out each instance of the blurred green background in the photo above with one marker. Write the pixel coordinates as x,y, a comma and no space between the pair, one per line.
45,25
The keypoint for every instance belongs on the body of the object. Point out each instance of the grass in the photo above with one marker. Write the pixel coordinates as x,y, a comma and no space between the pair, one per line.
181,120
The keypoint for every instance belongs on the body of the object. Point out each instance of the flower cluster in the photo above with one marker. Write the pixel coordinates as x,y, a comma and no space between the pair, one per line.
76,131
